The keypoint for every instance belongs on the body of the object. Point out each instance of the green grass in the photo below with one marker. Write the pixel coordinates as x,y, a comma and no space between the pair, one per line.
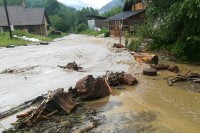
5,38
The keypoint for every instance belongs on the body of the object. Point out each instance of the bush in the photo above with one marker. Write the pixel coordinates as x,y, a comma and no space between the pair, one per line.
81,27
135,43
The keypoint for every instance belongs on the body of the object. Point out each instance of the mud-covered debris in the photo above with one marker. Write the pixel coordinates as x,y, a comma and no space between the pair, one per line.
56,101
118,78
17,70
71,65
150,72
90,88
146,58
174,69
115,45
192,77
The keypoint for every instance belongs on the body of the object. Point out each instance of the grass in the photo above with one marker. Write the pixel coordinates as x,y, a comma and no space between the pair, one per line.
5,38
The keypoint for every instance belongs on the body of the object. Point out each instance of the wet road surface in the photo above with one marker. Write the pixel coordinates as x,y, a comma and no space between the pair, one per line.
150,106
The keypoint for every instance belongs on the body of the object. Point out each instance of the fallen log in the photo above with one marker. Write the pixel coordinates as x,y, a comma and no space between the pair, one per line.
146,58
160,66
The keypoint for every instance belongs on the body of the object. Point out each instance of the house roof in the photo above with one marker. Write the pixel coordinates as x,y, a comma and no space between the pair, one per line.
126,14
20,15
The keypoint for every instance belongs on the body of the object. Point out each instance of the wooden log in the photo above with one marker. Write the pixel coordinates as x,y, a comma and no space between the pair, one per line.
146,58
150,72
89,88
160,66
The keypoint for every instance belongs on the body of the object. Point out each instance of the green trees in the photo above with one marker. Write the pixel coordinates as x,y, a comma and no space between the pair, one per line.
175,26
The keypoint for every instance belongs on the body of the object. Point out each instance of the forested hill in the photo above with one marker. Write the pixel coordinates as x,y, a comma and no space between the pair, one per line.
111,5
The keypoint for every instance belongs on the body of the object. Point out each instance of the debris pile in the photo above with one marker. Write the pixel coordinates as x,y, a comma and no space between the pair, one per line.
90,88
192,77
71,65
115,79
56,102
59,102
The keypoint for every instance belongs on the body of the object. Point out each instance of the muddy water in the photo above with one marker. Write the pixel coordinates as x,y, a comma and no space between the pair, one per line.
150,106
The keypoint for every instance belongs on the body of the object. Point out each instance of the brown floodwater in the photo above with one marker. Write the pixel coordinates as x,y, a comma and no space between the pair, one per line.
149,106
163,109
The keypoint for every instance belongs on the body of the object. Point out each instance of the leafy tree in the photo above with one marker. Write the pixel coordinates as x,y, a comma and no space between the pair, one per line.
175,26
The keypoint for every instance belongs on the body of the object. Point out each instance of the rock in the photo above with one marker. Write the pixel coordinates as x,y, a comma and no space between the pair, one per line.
150,72
173,69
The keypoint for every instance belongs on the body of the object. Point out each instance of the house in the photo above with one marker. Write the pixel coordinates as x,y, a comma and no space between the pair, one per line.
33,20
133,14
95,22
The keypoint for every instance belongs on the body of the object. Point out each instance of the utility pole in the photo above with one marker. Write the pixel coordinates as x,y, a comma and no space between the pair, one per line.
5,5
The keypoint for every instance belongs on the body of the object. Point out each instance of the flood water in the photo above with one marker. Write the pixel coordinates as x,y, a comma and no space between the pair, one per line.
150,106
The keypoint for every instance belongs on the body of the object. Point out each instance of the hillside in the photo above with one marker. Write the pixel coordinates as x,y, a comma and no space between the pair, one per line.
111,5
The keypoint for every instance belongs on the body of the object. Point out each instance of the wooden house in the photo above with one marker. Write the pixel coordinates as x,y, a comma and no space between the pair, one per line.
33,20
133,14
95,22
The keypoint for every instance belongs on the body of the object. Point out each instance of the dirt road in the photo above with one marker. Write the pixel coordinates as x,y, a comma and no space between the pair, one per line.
150,106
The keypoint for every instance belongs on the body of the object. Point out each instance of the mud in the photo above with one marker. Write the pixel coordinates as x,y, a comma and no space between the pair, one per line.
150,106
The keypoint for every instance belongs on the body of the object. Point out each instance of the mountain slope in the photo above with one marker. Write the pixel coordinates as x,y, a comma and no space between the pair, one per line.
110,5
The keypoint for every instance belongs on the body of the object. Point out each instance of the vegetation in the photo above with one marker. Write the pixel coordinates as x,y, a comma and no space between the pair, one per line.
5,38
174,26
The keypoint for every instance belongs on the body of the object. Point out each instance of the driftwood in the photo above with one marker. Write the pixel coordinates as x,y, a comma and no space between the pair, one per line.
20,107
57,100
193,77
146,58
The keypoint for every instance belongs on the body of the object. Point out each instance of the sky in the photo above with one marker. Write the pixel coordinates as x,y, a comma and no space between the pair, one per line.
92,3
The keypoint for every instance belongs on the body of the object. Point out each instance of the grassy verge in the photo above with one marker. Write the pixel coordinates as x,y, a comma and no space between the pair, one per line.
5,38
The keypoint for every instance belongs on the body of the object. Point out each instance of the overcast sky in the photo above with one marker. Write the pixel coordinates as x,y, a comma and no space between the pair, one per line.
93,3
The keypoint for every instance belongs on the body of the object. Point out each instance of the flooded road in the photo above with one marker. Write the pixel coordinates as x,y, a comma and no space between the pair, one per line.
150,106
